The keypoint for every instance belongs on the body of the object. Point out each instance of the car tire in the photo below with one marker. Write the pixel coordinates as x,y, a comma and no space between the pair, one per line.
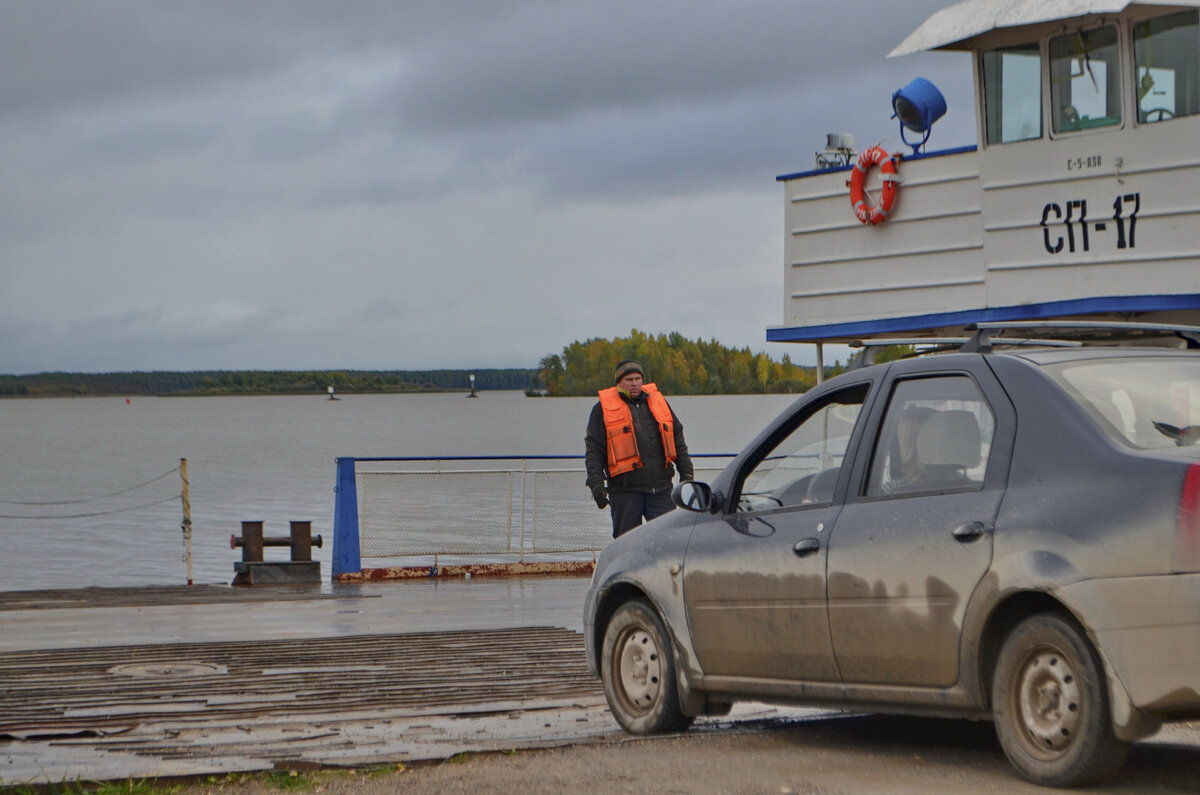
637,666
1050,705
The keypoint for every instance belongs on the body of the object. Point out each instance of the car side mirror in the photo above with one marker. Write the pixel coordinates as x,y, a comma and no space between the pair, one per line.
693,496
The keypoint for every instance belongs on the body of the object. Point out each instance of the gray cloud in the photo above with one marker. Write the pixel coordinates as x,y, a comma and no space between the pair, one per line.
220,185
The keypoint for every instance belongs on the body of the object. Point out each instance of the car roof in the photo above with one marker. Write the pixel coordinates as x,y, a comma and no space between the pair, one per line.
1058,355
1043,342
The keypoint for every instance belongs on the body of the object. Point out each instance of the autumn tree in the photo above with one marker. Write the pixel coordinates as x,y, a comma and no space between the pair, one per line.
678,365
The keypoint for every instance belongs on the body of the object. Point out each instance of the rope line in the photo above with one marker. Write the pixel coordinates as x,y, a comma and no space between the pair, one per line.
172,498
89,499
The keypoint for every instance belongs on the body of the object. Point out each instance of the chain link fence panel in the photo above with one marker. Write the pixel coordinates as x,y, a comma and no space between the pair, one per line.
507,509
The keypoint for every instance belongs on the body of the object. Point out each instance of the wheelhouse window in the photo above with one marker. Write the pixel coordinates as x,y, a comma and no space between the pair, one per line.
1085,84
1012,84
1166,69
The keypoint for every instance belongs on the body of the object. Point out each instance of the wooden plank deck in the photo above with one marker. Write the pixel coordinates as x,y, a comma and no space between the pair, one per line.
196,708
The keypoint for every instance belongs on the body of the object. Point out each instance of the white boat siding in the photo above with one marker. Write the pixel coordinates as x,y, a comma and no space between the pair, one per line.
1097,223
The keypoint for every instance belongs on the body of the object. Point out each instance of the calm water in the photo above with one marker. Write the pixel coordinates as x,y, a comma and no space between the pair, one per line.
252,458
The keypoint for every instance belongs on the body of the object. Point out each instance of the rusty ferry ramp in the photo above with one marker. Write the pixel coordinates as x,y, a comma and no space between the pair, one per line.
183,708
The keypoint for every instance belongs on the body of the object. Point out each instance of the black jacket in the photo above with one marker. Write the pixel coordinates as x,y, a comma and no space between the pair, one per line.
655,474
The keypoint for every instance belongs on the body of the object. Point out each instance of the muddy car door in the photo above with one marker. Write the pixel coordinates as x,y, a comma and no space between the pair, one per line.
754,575
914,537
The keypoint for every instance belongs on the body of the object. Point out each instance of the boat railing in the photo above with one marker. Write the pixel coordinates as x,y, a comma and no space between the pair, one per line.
481,507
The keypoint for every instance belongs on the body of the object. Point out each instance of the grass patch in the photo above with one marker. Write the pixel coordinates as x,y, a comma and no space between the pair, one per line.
281,780
290,780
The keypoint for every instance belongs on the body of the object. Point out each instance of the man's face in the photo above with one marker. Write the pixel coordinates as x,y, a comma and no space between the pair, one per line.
631,383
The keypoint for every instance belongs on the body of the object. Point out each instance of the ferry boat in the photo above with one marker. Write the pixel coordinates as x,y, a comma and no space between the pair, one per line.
1081,199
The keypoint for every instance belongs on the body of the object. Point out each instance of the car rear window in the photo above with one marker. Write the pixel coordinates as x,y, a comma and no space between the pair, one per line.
1148,403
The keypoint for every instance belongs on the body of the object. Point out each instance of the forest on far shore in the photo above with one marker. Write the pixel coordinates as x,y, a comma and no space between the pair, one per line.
678,365
259,382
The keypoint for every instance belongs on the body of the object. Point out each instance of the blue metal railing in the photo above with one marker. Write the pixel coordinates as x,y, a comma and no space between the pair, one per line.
347,545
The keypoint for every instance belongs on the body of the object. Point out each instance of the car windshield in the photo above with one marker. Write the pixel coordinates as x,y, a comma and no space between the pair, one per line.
1147,403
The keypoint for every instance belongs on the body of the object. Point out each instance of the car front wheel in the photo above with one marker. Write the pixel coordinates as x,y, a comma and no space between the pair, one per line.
1050,705
638,670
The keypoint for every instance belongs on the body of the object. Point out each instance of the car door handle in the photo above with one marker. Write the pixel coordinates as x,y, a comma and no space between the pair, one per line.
969,531
806,546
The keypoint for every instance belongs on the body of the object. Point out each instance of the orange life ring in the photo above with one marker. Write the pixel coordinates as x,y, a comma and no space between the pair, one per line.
868,213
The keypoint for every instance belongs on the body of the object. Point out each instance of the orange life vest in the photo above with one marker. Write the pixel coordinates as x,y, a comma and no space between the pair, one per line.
623,455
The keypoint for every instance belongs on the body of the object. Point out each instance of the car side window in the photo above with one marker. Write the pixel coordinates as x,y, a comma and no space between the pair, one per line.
802,468
936,436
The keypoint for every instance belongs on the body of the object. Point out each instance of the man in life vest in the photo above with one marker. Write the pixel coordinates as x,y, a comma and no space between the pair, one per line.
635,441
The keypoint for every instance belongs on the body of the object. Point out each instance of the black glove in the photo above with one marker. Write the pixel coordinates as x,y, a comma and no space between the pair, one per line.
600,494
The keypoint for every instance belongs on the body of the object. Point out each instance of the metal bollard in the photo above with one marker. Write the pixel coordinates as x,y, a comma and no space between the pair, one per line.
302,540
252,541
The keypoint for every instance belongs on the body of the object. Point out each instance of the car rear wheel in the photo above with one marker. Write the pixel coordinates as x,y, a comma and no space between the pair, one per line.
638,669
1050,704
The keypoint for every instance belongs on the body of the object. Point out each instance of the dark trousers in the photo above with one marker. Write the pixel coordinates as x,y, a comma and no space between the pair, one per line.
629,507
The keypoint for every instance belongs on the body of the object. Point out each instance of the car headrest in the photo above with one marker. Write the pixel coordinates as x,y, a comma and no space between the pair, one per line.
950,438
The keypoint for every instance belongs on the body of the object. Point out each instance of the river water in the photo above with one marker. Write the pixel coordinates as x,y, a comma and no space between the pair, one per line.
90,492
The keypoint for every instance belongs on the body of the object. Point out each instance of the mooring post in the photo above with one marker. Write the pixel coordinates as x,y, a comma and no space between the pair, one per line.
252,542
301,541
345,521
253,570
186,524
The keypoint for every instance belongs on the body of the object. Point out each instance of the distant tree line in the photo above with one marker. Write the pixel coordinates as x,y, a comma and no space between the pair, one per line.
678,366
260,382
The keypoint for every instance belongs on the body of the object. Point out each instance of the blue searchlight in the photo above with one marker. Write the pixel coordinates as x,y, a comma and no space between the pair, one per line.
918,105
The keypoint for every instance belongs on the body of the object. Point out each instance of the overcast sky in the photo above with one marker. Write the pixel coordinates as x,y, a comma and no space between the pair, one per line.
416,184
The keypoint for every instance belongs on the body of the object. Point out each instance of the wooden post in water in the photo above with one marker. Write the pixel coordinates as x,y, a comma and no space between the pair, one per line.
186,525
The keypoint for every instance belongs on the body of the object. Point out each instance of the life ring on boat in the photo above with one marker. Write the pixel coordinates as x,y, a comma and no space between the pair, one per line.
874,213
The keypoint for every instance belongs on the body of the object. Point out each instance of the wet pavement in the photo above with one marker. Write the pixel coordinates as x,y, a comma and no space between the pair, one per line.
54,620
109,684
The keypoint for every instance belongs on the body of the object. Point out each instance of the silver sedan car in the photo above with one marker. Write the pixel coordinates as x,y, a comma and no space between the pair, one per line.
1005,532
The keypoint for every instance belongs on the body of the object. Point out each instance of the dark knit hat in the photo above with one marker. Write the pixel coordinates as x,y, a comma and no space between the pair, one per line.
626,367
